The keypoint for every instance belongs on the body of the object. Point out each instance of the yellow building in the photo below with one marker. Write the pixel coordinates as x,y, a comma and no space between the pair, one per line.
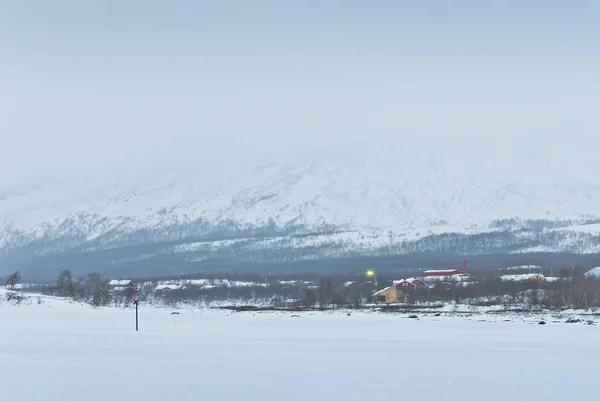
390,295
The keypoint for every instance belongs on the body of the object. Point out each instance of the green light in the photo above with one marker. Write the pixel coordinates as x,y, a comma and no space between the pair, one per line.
370,273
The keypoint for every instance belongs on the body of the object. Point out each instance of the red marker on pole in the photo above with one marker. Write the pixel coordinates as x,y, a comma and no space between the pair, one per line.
136,302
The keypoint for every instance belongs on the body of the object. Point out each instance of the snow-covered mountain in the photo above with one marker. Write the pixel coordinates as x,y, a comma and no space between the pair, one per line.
329,204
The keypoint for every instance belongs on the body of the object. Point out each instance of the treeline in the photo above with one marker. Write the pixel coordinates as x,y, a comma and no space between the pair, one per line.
572,290
335,292
91,288
325,292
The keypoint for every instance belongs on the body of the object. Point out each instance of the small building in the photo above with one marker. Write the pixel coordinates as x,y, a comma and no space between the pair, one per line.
163,289
593,273
405,285
419,283
357,284
410,284
117,286
120,283
390,295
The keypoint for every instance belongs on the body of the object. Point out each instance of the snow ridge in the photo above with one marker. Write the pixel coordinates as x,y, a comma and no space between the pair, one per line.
370,200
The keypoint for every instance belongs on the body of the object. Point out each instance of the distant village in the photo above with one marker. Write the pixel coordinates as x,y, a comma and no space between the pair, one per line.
401,290
521,287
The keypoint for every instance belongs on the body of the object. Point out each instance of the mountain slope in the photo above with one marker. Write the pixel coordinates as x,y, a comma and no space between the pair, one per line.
329,204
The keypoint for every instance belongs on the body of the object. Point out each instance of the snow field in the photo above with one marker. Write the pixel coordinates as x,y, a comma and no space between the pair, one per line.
64,351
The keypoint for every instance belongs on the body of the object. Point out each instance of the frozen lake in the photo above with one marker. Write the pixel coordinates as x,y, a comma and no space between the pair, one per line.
61,351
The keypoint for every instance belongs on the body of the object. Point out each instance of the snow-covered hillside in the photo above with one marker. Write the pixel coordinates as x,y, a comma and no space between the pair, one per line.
354,202
377,190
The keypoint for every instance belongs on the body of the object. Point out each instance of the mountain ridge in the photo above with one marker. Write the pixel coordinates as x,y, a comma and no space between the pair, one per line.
378,203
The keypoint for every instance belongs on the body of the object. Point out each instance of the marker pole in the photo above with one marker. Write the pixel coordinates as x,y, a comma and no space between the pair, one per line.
136,302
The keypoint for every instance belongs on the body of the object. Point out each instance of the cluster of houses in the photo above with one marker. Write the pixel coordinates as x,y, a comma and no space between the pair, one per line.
401,290
122,287
129,287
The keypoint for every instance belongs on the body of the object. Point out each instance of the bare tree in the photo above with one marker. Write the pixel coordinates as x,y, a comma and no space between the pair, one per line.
96,289
325,292
352,296
129,292
64,284
12,280
310,297
337,299
534,298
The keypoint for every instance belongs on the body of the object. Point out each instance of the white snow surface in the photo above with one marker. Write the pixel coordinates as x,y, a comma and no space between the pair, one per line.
410,192
533,268
593,229
119,282
169,287
521,277
65,351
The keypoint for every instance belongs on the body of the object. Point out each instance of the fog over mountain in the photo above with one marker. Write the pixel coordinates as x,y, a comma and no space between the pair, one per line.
152,137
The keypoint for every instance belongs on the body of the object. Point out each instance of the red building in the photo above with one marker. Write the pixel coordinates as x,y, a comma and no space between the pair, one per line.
419,283
410,284
406,285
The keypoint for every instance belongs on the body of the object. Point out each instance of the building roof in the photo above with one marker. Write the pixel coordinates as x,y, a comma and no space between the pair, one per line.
358,283
119,282
406,285
169,287
412,280
595,272
386,289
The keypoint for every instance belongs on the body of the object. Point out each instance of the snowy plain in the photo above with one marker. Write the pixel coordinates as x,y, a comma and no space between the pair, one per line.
59,350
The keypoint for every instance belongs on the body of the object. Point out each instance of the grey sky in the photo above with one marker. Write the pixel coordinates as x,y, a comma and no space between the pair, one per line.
117,83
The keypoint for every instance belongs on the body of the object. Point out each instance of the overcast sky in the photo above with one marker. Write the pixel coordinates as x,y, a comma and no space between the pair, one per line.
131,83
